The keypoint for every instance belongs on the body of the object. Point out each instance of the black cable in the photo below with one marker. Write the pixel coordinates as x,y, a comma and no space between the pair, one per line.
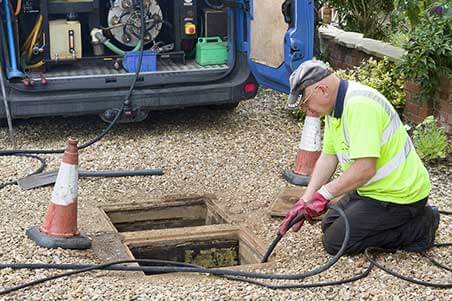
406,278
126,104
438,264
171,266
181,267
39,170
279,237
304,285
91,268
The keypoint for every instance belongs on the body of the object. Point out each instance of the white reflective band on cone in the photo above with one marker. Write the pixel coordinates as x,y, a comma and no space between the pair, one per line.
66,186
311,136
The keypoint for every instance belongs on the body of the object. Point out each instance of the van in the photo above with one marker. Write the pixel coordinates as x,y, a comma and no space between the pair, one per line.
79,57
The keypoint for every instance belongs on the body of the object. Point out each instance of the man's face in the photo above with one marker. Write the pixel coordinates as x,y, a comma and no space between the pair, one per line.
316,100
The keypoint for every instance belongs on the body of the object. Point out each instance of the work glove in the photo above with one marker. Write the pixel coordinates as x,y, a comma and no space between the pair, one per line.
311,209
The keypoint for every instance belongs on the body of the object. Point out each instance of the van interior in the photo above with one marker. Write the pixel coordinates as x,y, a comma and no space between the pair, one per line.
62,41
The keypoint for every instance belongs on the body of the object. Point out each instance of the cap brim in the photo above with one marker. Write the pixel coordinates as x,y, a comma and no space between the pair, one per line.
293,101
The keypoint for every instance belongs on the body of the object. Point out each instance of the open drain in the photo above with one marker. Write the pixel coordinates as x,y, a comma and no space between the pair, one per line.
210,254
212,246
178,213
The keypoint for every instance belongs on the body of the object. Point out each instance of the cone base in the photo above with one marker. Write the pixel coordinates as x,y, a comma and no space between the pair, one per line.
79,242
296,179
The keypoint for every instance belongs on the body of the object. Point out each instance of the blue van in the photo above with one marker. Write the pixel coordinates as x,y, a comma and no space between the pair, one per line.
68,57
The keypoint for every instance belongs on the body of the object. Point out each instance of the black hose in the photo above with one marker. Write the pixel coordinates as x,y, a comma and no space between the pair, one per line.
279,237
121,173
92,268
304,285
40,169
438,264
126,104
406,278
180,267
170,266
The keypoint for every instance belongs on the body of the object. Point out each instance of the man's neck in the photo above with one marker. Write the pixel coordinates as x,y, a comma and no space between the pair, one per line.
340,98
335,85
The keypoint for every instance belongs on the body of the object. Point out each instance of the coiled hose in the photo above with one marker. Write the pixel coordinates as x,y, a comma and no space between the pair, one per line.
126,103
161,266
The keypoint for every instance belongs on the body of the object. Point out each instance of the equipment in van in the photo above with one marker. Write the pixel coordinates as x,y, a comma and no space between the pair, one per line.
211,51
74,32
215,23
12,69
65,40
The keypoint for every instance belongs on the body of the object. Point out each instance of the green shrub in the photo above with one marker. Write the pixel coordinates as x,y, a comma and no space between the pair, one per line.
429,51
413,9
368,17
381,75
430,141
397,39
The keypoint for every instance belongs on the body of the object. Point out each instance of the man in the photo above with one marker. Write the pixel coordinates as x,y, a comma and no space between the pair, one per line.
385,183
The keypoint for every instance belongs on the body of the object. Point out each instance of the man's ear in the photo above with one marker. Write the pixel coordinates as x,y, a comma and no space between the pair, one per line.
324,88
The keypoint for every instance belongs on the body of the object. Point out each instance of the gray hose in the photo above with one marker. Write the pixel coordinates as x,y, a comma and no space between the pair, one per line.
122,173
7,111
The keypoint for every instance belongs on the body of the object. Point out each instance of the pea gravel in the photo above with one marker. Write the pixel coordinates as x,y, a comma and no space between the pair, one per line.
238,156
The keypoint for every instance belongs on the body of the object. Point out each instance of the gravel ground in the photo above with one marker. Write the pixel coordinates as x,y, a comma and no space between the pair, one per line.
238,156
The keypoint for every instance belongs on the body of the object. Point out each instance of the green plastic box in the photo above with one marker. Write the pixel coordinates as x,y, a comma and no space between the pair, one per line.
211,51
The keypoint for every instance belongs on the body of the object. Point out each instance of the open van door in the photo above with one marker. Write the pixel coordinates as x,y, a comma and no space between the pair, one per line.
281,37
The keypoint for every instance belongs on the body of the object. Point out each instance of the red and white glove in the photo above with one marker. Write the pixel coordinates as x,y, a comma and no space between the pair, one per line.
311,209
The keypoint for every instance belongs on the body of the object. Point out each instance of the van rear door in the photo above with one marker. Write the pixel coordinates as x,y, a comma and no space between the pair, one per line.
280,38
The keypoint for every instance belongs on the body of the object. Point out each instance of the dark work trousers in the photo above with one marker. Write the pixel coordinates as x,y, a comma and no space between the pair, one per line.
375,223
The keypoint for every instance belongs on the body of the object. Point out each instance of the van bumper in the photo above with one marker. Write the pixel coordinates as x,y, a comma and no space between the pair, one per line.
85,102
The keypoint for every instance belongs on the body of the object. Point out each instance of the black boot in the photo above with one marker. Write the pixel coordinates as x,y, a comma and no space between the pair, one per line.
431,221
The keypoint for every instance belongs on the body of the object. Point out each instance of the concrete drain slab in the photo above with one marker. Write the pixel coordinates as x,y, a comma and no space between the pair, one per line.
185,229
209,246
176,213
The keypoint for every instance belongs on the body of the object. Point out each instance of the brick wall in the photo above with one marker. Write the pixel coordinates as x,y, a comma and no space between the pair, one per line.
342,57
443,106
440,106
344,50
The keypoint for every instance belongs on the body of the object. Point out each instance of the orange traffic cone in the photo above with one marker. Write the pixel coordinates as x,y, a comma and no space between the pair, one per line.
307,154
59,229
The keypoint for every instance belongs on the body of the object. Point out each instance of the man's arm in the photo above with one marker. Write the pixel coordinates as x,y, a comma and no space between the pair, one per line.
361,171
325,167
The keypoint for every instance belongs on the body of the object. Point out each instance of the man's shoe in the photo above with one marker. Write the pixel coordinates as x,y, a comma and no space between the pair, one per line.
435,224
432,216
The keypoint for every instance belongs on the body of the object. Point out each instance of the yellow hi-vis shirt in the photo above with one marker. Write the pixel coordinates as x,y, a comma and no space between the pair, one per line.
370,127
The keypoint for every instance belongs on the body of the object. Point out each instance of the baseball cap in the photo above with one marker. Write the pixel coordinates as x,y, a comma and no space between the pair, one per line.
308,73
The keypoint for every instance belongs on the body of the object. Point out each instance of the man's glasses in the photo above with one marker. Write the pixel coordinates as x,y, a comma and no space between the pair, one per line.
305,100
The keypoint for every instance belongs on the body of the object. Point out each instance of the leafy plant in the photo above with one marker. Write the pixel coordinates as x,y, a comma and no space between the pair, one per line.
381,75
430,141
367,17
413,9
397,39
429,51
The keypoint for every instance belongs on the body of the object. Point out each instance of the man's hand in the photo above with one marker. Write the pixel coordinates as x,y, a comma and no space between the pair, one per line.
316,207
310,210
296,210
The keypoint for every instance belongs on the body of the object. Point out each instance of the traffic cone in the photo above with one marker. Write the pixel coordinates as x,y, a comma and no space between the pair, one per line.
307,154
59,229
